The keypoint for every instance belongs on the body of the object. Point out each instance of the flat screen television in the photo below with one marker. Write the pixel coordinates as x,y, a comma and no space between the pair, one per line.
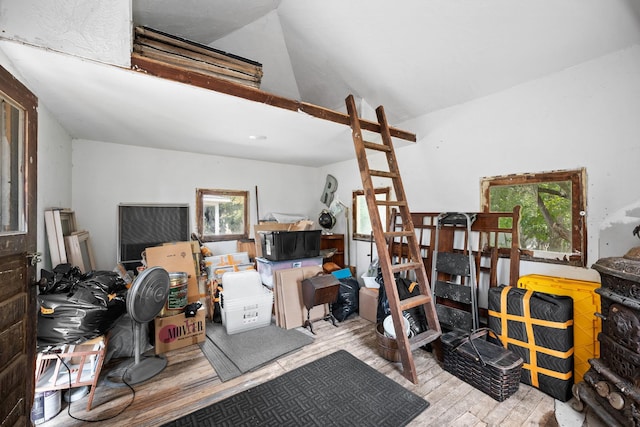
144,225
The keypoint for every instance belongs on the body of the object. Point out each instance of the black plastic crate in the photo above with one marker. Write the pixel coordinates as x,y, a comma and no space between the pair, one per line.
488,367
286,245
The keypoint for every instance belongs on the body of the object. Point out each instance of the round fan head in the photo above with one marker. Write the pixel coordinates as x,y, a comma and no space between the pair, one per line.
148,294
326,220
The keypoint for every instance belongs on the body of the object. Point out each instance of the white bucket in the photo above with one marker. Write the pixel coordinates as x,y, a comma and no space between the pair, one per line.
46,405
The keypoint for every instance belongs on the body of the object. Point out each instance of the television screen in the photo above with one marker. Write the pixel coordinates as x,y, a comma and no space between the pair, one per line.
144,225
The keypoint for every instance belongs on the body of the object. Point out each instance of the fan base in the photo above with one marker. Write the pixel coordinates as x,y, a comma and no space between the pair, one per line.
145,369
134,373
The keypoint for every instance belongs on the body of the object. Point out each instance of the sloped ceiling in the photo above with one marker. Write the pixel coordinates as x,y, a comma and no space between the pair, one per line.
413,57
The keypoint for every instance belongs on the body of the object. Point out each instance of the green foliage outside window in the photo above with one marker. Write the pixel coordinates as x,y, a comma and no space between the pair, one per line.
230,217
545,216
222,214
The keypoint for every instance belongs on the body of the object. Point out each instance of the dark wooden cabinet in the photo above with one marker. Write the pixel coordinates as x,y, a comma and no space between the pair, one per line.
335,241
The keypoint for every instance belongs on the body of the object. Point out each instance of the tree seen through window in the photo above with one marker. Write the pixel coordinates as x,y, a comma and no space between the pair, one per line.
552,215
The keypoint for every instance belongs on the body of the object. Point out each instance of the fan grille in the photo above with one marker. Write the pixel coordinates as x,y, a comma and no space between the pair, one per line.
148,294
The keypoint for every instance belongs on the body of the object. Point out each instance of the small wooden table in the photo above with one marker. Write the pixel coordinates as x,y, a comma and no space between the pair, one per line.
317,290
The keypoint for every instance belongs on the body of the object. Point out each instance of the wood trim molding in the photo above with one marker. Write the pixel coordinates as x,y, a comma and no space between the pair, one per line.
171,72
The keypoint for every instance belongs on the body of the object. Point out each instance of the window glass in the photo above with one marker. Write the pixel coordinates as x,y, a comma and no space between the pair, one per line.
361,220
222,214
552,216
12,203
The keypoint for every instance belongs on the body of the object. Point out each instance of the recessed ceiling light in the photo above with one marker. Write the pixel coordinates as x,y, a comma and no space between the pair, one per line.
256,137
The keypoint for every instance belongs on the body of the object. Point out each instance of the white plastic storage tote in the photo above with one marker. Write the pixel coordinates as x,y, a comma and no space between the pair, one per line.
245,303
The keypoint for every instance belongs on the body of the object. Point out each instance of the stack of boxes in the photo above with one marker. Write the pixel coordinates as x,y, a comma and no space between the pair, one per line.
282,249
177,331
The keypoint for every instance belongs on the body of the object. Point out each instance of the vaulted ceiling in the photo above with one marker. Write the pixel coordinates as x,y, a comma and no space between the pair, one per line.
413,57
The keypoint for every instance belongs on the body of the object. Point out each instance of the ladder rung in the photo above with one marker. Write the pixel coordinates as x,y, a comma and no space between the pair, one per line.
376,146
415,301
383,174
391,202
399,234
397,268
423,338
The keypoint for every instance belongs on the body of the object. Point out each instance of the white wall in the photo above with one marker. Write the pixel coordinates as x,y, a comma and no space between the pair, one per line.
617,231
585,116
54,167
105,175
54,174
259,41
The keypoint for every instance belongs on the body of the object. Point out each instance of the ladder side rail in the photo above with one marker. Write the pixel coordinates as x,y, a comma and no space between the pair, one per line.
421,275
381,244
397,183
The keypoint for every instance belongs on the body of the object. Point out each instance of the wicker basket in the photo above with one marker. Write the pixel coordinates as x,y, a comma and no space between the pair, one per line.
488,367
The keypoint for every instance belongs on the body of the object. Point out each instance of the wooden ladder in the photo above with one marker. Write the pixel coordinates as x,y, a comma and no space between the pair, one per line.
383,238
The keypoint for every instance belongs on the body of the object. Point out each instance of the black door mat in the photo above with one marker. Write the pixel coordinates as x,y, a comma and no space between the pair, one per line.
335,390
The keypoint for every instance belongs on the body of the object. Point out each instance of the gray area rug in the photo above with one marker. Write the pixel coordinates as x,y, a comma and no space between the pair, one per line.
233,355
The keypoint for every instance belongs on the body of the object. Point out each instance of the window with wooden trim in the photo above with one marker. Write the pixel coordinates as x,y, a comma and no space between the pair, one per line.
222,214
361,220
552,216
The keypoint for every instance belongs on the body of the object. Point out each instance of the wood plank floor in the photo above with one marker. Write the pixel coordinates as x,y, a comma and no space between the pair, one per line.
189,383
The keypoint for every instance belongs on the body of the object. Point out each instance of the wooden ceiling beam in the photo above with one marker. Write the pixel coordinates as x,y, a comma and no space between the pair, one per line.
175,73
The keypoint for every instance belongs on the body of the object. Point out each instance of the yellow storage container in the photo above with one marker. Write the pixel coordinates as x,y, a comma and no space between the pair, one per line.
586,326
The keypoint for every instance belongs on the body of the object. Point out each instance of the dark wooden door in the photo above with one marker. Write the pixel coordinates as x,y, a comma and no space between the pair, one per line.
18,164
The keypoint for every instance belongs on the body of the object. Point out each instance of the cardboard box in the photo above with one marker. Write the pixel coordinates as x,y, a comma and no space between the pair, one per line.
247,245
178,331
368,309
176,257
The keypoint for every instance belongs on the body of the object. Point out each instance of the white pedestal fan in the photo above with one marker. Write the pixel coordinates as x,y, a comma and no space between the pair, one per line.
145,299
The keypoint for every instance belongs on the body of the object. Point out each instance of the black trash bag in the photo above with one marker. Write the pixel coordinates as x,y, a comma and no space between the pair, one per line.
79,307
415,315
348,299
62,279
383,303
406,288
